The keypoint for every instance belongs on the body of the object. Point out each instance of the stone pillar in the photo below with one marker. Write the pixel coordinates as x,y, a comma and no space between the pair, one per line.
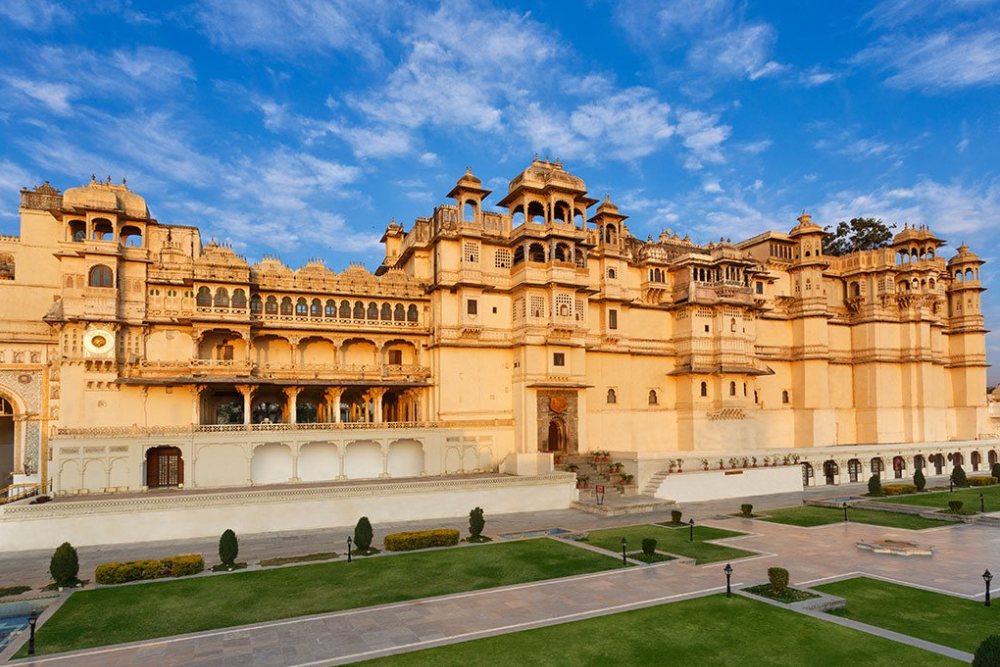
247,391
332,396
291,394
294,344
377,393
340,455
196,404
295,447
384,444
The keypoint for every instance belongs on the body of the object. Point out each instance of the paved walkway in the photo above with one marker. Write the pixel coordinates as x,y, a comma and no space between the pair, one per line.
812,554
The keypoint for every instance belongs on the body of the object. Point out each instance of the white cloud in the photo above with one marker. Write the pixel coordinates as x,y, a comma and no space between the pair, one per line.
817,77
846,144
942,61
740,52
34,14
711,187
428,158
703,136
13,177
757,147
53,95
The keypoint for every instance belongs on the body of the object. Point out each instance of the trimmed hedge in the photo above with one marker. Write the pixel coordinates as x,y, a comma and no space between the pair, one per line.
898,489
778,576
138,570
980,481
421,539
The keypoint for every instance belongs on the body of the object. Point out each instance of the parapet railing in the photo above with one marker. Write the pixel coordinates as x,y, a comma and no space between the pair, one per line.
14,492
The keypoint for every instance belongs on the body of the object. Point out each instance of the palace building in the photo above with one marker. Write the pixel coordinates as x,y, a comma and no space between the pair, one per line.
133,355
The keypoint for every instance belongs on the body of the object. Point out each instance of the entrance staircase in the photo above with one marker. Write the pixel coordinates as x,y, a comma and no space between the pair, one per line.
614,503
15,492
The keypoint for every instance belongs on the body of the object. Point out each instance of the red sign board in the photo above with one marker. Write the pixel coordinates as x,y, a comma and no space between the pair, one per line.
600,488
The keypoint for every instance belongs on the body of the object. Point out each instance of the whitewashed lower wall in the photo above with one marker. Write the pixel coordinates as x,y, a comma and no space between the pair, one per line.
111,520
720,484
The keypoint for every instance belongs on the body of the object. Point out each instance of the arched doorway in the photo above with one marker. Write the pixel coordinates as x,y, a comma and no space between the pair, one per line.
976,459
807,474
938,461
164,467
830,471
6,442
854,470
557,436
898,467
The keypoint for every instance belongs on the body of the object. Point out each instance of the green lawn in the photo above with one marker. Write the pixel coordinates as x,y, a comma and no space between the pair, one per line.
705,631
942,619
671,540
969,496
130,613
812,515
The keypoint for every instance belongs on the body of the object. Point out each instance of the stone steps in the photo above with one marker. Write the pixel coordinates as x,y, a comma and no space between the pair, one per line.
653,485
623,505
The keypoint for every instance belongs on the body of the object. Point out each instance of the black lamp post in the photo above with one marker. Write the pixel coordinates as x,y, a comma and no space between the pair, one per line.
982,503
32,621
987,577
624,556
951,484
728,569
691,530
845,512
349,541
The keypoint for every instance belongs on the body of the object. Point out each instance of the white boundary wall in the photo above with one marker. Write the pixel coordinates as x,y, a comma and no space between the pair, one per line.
111,520
719,484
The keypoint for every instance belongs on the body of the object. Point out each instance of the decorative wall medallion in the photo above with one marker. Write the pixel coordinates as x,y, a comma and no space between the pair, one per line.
98,342
558,404
24,378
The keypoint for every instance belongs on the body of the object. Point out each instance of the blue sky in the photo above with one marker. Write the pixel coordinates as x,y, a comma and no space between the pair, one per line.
301,128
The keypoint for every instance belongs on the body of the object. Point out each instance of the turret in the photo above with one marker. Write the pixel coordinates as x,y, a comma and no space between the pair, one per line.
469,194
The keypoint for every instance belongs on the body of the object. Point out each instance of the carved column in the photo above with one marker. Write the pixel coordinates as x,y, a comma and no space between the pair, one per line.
196,404
247,391
384,444
291,394
340,456
332,396
294,344
377,393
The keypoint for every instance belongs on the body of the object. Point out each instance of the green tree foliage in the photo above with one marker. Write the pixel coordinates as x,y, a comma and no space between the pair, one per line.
778,576
648,546
874,486
476,522
363,534
65,565
919,480
229,547
958,476
857,234
988,653
995,471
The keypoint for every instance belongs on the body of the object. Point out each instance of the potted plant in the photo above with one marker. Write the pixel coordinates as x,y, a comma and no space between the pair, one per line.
572,467
583,482
753,460
704,464
670,465
721,465
680,462
616,467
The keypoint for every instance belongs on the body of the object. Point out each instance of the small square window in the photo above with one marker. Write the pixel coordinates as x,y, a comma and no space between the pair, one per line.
494,310
612,319
706,328
558,359
760,288
472,307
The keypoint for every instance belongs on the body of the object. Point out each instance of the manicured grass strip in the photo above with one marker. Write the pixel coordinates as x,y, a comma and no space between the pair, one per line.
969,498
705,631
131,613
812,515
936,617
671,540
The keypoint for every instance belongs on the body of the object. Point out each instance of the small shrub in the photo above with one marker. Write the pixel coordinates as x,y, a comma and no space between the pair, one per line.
675,516
874,486
778,576
476,522
919,480
898,489
421,539
13,590
981,481
955,506
988,653
746,509
363,534
229,548
139,570
958,477
995,470
648,546
65,565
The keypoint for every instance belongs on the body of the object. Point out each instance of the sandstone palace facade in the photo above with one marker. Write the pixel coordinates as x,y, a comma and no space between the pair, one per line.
135,355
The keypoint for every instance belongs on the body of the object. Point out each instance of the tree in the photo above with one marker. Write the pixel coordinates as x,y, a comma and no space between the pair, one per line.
874,486
648,547
229,548
65,565
958,477
988,653
919,480
857,234
363,535
476,523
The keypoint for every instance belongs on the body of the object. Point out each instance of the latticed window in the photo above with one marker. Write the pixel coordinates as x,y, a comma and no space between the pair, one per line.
519,309
502,258
537,305
580,310
564,305
470,252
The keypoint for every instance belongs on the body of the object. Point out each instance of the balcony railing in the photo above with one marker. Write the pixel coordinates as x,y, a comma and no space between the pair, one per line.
231,367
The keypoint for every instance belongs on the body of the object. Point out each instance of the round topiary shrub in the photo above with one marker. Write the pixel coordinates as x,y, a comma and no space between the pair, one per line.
229,548
988,653
648,547
746,509
995,472
363,534
958,477
675,516
874,486
955,506
778,576
65,565
919,480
